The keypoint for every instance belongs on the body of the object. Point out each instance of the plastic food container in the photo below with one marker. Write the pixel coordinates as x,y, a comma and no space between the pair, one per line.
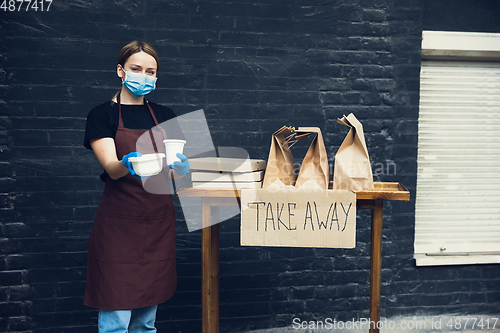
147,165
172,147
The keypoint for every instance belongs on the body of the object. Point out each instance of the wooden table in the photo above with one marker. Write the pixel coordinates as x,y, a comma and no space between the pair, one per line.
213,198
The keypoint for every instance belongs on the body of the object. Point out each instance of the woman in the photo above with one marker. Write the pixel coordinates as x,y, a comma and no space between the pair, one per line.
131,256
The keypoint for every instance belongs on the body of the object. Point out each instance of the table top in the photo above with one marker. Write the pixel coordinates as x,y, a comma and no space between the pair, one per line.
382,190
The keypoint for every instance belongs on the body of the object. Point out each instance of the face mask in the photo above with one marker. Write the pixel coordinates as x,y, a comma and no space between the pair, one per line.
139,84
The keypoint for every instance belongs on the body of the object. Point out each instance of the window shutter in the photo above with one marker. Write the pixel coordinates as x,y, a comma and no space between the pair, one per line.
458,179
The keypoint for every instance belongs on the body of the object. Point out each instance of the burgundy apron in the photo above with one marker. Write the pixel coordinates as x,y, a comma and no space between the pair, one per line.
131,255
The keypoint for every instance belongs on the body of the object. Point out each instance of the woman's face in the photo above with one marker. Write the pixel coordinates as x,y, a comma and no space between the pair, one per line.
140,62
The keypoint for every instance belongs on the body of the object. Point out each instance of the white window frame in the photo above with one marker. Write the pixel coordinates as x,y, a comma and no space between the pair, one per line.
452,45
448,45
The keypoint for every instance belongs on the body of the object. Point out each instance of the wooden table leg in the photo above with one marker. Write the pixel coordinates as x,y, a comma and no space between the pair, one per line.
375,265
210,270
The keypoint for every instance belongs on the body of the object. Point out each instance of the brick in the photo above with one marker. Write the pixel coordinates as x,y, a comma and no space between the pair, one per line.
295,306
375,3
180,8
5,169
88,183
409,15
11,278
40,260
409,71
6,201
7,185
4,294
4,138
55,274
247,268
22,138
20,293
41,199
374,15
301,278
304,293
52,123
330,97
400,99
280,294
68,319
5,123
416,4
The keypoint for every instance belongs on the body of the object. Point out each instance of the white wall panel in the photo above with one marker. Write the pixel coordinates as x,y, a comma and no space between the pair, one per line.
458,184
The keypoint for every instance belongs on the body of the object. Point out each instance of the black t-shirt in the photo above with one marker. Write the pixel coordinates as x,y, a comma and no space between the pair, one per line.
102,121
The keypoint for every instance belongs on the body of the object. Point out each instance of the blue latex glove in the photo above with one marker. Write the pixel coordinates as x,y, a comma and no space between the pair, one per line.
181,167
128,164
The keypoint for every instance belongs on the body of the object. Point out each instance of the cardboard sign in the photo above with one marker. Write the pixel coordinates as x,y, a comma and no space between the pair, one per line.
298,217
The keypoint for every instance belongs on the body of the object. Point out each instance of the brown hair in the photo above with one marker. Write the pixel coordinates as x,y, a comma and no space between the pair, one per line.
135,47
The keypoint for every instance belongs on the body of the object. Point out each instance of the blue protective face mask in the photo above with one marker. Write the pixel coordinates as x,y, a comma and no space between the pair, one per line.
139,84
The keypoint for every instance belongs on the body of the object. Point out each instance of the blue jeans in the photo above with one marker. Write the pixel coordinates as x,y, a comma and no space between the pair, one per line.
128,321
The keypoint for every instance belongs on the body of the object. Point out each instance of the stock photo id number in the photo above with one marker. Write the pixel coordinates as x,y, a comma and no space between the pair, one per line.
25,5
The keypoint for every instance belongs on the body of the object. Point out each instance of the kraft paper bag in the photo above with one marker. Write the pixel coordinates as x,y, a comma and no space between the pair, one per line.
314,171
281,165
352,169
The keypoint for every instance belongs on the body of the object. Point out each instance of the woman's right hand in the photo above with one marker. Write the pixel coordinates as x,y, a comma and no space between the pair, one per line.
105,151
127,163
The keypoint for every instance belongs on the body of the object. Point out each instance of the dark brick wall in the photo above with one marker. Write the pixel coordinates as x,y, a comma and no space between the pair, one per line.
253,66
462,15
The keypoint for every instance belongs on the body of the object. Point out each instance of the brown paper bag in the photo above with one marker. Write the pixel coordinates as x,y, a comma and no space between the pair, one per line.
352,170
315,164
281,164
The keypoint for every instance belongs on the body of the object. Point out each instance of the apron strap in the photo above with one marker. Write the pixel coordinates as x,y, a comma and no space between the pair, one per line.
120,121
163,133
153,140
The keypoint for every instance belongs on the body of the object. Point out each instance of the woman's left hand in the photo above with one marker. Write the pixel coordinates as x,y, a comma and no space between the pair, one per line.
181,167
